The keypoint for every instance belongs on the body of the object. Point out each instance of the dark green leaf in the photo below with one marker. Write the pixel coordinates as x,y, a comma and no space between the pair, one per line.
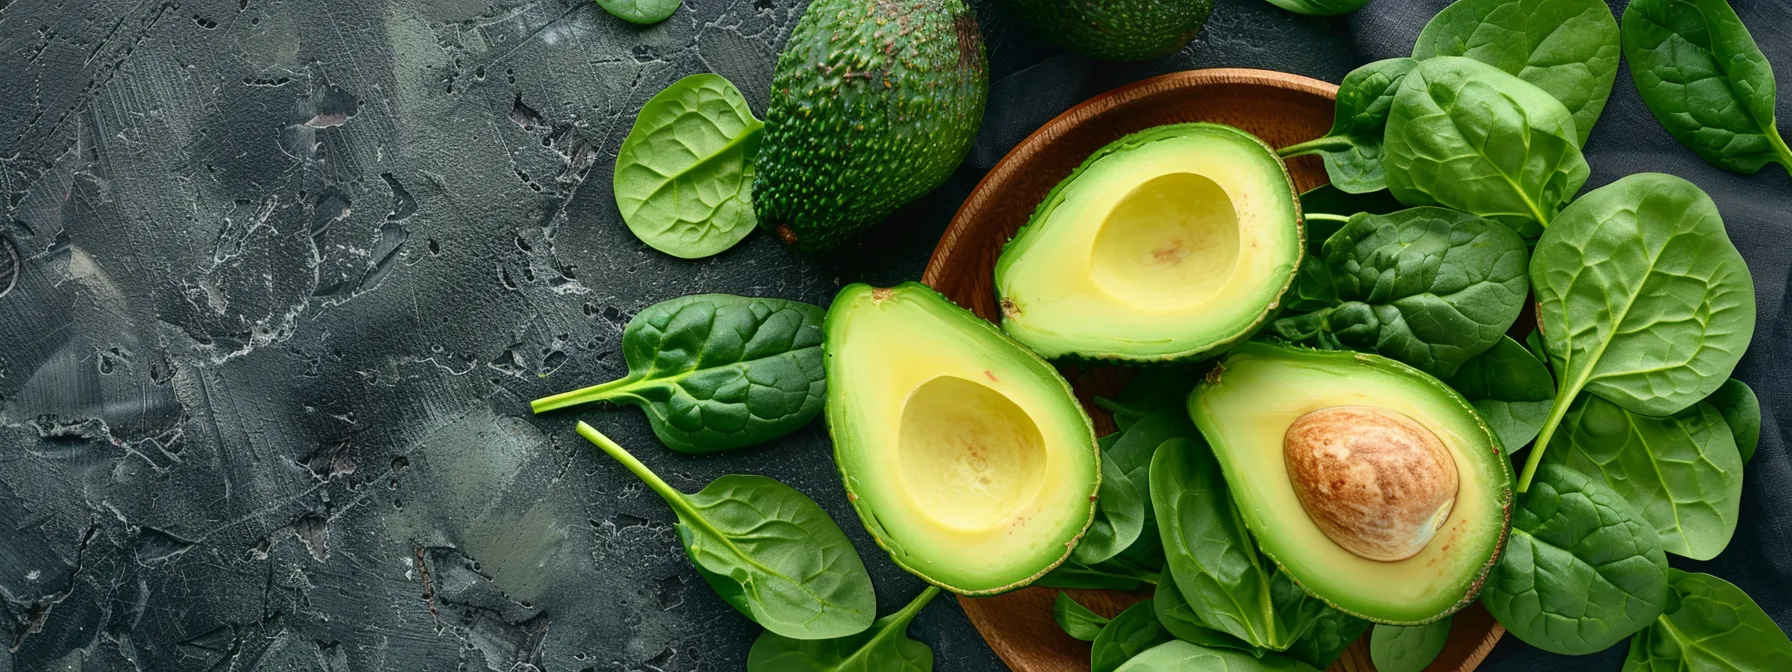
1120,573
1076,619
1180,619
885,647
1510,388
1466,135
1681,472
769,551
1320,7
1568,48
1641,299
1333,631
1742,412
1128,635
1715,626
684,174
1396,648
1427,286
1352,150
1329,200
1582,569
1180,656
1700,72
717,371
1119,516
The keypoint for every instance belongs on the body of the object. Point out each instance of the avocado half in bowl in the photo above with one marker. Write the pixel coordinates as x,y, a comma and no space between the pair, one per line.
1168,244
966,456
1374,485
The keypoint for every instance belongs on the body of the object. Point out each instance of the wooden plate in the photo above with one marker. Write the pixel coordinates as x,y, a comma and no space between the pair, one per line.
1280,108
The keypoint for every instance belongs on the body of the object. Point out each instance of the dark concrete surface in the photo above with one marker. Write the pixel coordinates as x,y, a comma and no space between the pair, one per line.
278,279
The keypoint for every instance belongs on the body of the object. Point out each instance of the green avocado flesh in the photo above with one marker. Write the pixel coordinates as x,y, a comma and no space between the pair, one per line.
1116,30
1171,243
1246,408
966,455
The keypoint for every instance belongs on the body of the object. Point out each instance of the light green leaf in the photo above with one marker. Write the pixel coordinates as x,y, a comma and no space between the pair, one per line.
684,174
1715,626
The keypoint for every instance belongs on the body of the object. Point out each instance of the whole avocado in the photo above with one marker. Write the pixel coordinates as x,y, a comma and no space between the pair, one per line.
874,103
1115,30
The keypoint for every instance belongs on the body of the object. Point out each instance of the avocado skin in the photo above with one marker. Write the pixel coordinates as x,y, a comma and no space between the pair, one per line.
874,103
1115,30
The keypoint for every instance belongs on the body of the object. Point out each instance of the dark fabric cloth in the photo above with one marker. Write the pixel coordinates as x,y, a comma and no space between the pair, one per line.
288,274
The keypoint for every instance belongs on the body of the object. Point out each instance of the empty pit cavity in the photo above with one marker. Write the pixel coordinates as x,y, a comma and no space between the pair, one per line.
1170,242
970,457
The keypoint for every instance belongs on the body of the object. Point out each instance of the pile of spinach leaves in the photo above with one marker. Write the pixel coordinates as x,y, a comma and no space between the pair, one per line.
1636,433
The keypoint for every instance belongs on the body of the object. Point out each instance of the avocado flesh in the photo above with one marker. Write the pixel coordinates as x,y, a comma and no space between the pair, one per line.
1171,243
966,456
1246,405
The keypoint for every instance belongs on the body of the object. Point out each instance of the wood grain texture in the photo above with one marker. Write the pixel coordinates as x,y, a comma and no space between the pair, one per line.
1280,108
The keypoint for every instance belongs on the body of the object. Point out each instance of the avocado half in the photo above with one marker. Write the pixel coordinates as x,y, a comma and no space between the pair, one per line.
967,456
1374,485
1171,243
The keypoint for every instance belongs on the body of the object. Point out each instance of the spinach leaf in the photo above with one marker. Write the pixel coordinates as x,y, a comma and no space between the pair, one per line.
769,551
1119,573
1179,618
717,371
1715,626
1582,569
684,174
1077,620
1427,286
1184,656
1332,633
1352,149
644,12
1742,412
1641,299
1466,135
885,647
1681,472
1510,388
1320,7
1314,288
1568,48
1396,648
1704,78
1339,205
1128,635
1119,516
1231,586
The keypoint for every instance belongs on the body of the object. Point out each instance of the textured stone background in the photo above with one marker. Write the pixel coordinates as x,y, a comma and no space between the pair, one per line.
284,276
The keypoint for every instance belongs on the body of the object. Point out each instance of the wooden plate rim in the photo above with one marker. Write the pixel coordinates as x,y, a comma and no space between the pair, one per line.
1101,103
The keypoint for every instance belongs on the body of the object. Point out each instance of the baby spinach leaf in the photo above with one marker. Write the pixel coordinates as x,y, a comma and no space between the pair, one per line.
1714,626
1427,286
1320,7
885,647
1681,472
1326,199
644,12
717,371
1396,648
1313,290
1568,48
1510,388
1742,412
1179,618
1119,516
1641,299
1128,635
1466,135
1188,657
1352,149
684,174
1332,633
1077,620
769,551
1582,569
1119,573
1231,586
1703,77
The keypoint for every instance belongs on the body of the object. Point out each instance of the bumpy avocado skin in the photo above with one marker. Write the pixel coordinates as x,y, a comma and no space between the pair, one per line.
874,103
1115,30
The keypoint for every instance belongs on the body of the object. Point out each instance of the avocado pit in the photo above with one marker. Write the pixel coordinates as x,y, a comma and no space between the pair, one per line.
1375,481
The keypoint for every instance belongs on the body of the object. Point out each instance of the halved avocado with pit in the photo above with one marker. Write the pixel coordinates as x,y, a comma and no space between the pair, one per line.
1171,243
1374,485
966,456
